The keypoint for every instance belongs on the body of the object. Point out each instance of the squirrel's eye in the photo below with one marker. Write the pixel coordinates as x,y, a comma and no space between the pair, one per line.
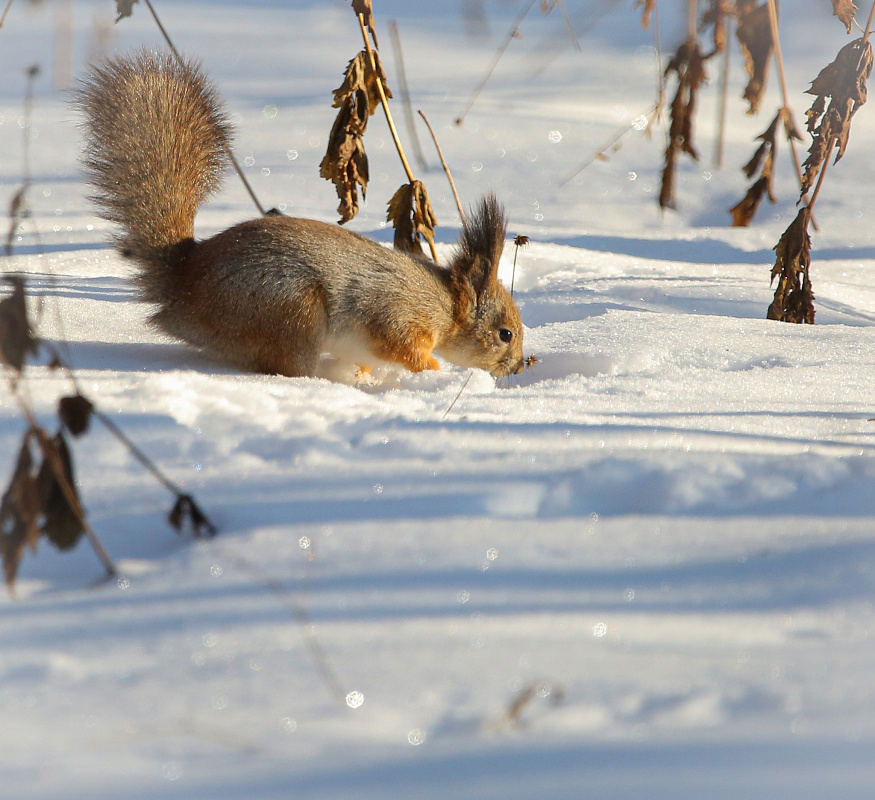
505,335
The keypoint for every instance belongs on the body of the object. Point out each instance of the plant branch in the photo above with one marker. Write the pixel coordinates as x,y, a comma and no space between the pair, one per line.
456,398
444,165
405,94
384,101
692,18
498,55
300,615
391,122
785,95
826,159
869,24
721,110
649,116
5,12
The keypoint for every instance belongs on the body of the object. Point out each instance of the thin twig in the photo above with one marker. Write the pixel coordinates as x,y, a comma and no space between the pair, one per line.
499,53
300,615
660,72
405,95
390,121
456,398
444,165
869,24
384,101
237,168
721,109
826,158
782,79
21,210
610,143
518,242
5,12
569,26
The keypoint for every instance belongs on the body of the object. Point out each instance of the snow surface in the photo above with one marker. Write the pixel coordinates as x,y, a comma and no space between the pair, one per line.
658,540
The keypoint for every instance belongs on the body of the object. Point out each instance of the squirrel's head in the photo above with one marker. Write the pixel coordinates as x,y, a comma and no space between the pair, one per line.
488,331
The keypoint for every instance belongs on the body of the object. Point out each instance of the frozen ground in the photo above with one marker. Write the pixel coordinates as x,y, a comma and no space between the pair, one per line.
662,533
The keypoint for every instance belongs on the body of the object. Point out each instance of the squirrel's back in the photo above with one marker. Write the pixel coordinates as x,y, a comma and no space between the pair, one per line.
157,140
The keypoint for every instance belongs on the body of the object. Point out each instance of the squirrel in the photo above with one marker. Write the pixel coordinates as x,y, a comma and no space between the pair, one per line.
274,294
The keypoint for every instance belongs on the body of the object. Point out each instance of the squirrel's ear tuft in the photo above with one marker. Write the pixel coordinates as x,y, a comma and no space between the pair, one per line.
481,244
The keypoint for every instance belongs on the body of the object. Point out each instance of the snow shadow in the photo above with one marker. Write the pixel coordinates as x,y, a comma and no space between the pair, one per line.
696,251
523,766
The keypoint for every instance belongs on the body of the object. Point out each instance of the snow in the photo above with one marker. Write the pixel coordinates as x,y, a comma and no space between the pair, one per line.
661,534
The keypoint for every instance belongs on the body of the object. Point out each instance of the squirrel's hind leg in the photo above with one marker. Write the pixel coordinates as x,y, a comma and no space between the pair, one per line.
293,344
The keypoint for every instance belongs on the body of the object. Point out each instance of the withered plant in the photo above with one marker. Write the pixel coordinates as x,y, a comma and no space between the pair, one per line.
763,164
843,81
346,163
41,499
688,64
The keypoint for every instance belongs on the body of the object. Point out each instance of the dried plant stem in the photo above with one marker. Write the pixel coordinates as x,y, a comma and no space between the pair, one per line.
782,80
237,168
405,94
649,116
826,160
567,20
298,613
5,12
499,53
869,24
516,249
456,398
692,18
444,165
657,44
390,121
721,110
384,102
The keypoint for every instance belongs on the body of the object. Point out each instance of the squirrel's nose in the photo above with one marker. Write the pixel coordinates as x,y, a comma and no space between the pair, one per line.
520,367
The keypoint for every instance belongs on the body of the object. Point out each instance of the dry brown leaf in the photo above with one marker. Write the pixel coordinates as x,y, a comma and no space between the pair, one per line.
412,216
75,412
345,163
754,33
794,297
715,17
648,7
125,8
746,209
16,334
763,161
186,510
845,10
62,522
20,508
689,65
844,82
366,9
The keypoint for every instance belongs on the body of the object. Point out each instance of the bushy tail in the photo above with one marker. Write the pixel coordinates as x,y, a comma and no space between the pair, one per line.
156,144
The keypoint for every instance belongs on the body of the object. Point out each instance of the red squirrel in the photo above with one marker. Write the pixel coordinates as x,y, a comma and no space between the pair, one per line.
274,294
